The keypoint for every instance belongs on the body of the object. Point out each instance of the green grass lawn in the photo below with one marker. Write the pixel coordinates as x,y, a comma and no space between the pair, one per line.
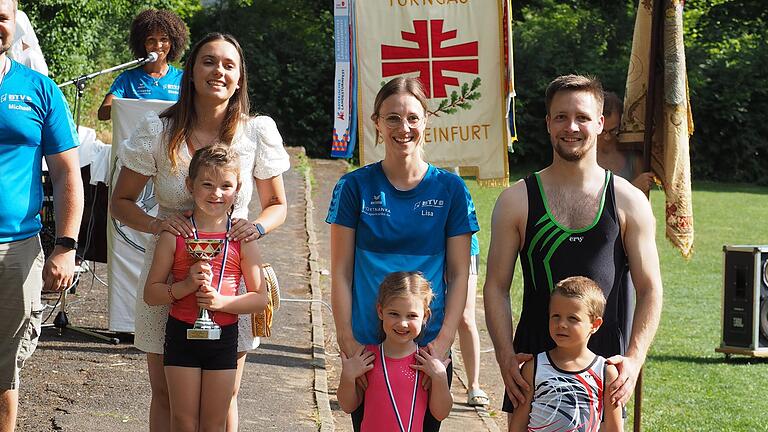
688,386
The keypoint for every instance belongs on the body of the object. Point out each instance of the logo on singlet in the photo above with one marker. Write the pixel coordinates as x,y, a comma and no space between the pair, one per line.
574,239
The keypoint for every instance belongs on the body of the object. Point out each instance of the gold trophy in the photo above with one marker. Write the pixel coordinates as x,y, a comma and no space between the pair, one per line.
204,250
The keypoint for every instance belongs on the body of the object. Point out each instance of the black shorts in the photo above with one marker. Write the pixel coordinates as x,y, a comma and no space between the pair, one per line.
203,354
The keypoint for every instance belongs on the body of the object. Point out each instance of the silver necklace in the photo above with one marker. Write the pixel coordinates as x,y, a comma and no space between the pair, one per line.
156,81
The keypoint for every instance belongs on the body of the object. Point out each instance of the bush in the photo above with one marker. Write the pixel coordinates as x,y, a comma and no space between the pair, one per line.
553,38
727,52
288,46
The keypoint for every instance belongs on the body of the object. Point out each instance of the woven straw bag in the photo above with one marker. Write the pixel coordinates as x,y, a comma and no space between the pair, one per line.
261,322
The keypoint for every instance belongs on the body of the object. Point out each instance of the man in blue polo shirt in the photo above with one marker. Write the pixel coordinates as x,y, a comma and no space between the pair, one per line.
35,122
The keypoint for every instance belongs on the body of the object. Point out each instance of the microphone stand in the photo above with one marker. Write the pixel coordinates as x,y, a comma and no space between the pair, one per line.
61,322
81,81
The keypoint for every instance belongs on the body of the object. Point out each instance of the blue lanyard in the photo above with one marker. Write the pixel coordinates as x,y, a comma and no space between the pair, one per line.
226,249
392,394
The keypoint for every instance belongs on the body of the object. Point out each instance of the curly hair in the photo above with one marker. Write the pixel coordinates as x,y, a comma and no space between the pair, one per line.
154,20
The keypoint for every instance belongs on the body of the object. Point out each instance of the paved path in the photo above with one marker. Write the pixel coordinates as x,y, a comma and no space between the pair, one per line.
73,383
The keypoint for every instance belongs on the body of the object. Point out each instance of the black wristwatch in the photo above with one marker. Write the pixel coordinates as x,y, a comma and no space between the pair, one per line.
66,242
260,229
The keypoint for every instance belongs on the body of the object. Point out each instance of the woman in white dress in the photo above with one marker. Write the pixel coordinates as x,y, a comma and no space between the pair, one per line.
213,108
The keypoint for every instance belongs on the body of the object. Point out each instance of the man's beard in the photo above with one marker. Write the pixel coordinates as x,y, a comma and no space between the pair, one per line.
573,155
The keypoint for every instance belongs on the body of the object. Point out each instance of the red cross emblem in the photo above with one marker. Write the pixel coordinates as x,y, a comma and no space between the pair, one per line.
431,59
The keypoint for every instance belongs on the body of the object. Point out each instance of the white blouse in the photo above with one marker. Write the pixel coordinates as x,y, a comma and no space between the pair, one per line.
258,143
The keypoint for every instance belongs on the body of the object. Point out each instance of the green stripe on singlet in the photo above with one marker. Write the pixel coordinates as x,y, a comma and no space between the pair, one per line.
548,257
535,240
556,228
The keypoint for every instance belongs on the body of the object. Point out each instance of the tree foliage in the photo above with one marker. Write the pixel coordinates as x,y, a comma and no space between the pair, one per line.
81,36
553,38
288,46
727,53
289,50
727,58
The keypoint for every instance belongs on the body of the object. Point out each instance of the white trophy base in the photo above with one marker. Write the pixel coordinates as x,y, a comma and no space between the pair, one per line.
204,331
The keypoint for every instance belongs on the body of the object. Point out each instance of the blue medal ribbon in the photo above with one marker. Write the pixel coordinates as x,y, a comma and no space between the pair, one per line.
392,394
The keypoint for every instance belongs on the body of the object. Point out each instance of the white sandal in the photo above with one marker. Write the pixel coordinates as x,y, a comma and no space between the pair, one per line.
477,397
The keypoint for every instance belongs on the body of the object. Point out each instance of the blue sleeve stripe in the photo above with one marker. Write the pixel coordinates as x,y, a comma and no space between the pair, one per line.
333,209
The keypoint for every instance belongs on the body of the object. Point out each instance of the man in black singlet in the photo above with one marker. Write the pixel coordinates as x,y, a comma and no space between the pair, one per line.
573,218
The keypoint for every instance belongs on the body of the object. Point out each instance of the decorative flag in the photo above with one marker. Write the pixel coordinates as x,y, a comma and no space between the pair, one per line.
460,51
510,74
344,127
670,158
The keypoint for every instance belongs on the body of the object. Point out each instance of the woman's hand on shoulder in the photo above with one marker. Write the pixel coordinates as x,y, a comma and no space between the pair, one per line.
243,230
431,365
350,345
357,364
176,224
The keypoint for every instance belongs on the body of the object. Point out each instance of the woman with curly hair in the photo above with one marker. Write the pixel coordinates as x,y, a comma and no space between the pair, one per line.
161,32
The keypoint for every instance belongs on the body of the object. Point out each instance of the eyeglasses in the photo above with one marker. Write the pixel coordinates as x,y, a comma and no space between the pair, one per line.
394,121
613,132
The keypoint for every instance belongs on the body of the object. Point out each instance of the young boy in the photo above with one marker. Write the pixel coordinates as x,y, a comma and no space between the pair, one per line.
568,383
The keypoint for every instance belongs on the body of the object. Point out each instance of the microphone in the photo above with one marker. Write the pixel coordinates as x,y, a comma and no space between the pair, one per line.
150,58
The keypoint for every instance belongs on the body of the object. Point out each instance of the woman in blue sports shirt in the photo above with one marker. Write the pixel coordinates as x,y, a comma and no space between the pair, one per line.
399,214
161,32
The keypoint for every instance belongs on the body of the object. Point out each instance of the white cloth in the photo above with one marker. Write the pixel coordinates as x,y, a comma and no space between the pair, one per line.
126,246
100,163
261,152
95,153
24,34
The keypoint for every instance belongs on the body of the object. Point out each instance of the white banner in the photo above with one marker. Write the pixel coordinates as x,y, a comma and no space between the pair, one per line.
125,246
343,100
457,49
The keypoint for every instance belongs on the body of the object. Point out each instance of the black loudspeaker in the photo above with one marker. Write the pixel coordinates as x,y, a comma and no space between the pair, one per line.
745,300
